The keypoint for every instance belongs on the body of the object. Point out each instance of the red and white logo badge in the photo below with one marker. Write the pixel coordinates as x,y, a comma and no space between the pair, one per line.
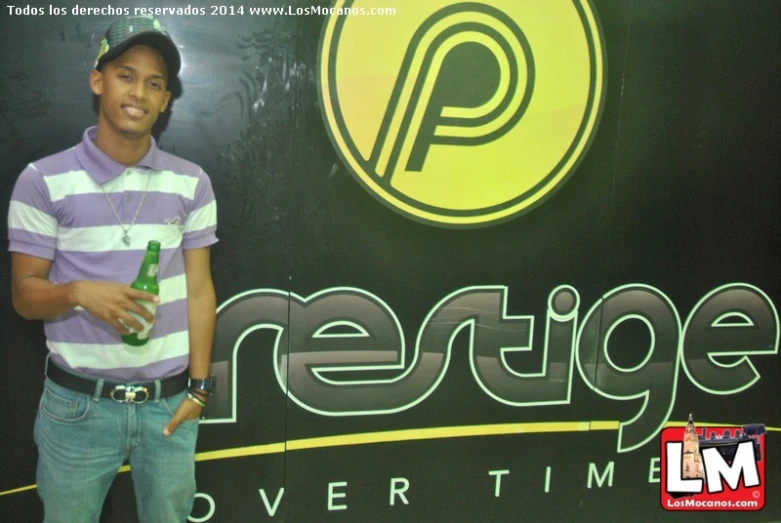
713,468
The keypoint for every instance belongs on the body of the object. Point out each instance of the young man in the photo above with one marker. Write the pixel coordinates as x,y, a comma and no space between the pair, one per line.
79,223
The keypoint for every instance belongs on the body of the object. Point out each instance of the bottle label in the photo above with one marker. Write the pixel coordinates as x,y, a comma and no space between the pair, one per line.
152,270
151,307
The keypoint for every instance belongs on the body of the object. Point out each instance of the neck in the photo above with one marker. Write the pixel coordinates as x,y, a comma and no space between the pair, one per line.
125,149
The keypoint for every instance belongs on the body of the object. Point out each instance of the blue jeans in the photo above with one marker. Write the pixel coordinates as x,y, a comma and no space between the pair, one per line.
83,440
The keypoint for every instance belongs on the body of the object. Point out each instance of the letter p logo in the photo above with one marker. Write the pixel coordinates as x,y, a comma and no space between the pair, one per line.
467,114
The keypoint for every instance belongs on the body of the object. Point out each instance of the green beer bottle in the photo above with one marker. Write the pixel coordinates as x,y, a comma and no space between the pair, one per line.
146,281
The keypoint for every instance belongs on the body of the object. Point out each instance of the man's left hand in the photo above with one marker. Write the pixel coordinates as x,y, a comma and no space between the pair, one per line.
187,410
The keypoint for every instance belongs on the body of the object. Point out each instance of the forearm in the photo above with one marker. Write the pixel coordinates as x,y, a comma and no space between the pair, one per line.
37,298
202,316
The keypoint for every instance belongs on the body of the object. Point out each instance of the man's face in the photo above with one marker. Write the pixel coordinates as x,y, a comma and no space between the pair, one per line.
133,91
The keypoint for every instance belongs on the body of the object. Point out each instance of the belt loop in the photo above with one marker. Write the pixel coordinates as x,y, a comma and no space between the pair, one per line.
158,390
98,389
46,364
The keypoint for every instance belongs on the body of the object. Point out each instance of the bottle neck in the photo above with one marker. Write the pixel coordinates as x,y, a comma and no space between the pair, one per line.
149,267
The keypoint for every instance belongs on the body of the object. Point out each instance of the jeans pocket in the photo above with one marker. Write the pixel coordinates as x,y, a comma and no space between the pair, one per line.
66,410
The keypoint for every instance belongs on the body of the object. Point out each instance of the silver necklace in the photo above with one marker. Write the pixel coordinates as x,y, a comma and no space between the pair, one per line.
126,229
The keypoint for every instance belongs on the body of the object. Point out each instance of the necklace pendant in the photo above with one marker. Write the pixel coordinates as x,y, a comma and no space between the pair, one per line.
126,239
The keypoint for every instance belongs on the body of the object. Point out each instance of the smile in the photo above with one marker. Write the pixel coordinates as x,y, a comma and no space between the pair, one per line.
133,112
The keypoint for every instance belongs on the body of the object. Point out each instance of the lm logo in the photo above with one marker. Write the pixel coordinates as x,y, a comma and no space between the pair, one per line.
465,114
714,468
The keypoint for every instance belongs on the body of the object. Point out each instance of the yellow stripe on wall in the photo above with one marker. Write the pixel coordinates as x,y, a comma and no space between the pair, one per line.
366,438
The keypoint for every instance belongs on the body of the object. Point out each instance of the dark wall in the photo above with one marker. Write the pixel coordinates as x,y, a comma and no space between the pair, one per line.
677,196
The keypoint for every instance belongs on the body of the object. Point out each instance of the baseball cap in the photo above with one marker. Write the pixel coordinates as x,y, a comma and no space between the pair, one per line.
135,30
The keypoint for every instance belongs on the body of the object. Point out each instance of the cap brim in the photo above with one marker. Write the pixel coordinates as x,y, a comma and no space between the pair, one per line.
157,41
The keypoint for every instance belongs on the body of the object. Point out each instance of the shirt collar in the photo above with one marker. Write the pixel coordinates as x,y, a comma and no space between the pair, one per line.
101,167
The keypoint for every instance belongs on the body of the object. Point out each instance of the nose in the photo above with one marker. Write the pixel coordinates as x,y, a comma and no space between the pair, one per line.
138,90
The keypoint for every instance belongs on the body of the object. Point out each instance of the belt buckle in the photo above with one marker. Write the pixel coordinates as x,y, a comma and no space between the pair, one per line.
131,394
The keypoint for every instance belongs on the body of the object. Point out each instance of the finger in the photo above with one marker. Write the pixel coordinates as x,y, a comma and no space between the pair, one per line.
172,425
135,294
118,325
131,322
141,311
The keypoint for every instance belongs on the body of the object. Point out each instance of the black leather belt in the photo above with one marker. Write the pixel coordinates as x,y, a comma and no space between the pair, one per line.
119,392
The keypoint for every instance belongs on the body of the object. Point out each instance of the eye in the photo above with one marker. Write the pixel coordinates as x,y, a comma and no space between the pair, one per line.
155,84
124,76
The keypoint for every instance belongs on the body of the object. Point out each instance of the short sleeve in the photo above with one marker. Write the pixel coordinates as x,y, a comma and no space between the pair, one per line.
32,223
200,228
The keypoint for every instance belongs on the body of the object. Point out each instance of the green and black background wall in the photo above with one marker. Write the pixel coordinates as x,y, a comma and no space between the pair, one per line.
473,256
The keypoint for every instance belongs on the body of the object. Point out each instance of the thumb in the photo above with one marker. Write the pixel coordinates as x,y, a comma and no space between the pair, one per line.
173,424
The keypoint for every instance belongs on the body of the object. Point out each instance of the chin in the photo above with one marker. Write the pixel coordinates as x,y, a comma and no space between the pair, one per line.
131,131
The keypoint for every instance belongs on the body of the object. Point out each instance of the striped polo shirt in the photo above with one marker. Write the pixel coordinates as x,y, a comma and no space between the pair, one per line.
60,211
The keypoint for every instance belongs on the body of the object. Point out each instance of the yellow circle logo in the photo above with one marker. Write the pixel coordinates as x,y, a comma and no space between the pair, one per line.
462,114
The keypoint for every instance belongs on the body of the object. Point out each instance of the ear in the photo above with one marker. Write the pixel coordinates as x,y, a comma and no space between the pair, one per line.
166,99
96,82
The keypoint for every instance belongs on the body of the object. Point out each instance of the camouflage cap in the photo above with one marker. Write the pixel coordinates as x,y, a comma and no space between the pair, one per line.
136,30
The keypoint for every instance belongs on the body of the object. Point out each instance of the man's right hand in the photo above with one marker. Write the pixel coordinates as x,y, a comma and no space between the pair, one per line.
37,298
113,303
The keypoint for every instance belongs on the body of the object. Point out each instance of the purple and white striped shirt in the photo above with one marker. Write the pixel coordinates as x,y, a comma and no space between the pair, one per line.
59,212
